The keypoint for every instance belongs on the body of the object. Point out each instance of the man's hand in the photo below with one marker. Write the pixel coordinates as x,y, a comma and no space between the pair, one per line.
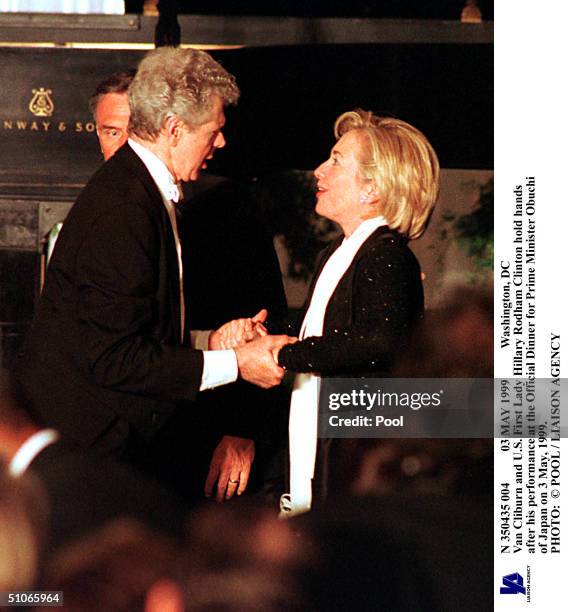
256,362
238,332
230,467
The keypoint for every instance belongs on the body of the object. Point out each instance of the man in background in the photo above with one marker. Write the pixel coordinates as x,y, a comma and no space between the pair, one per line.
111,111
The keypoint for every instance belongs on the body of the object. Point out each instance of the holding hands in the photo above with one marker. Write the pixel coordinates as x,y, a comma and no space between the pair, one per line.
256,353
257,363
256,350
238,332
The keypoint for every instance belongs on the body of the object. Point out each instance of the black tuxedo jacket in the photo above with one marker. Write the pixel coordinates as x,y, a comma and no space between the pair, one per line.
103,361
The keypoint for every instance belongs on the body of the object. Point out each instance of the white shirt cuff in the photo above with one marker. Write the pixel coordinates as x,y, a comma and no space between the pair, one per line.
219,368
200,339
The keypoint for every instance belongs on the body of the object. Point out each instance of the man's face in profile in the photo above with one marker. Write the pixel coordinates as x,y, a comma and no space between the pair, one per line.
194,147
111,116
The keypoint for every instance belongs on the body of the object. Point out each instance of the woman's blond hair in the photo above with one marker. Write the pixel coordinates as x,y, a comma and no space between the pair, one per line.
402,165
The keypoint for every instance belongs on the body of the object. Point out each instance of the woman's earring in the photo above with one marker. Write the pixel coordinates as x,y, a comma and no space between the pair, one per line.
364,199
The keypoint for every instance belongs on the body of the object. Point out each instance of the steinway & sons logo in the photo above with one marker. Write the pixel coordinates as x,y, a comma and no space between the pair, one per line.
42,106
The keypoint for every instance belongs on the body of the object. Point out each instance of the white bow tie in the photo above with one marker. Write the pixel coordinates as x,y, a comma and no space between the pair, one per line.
173,193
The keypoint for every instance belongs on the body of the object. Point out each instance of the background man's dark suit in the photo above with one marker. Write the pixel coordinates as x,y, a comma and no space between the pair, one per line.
230,271
103,362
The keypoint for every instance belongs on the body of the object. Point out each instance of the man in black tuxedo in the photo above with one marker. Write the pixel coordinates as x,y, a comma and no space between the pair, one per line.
231,270
108,355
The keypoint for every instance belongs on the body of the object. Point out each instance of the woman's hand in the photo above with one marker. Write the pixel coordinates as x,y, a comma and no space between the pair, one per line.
276,351
238,332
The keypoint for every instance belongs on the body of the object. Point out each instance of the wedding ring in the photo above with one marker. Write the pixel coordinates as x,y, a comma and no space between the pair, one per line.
233,481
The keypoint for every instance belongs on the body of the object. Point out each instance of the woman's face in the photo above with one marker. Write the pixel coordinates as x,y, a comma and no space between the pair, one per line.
339,186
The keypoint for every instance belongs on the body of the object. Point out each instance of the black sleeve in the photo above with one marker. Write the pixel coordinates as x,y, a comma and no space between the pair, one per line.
386,302
117,275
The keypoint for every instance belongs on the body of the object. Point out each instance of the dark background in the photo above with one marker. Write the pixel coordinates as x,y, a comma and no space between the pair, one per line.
290,98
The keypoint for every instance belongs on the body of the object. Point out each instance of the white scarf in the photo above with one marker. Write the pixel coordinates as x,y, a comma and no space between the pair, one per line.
303,424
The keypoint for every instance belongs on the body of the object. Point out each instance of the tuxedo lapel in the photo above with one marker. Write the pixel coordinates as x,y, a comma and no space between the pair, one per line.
128,158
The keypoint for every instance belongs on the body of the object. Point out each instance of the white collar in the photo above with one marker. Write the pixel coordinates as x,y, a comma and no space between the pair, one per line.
158,171
30,449
366,228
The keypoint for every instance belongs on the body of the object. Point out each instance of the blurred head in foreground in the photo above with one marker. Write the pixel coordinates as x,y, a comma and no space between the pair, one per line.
113,569
23,513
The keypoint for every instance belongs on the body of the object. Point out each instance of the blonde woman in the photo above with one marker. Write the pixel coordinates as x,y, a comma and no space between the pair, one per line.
380,185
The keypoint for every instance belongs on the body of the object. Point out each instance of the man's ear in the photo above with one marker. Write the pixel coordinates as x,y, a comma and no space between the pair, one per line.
173,128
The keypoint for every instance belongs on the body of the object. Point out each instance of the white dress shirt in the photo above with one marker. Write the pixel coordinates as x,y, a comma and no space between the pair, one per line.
219,367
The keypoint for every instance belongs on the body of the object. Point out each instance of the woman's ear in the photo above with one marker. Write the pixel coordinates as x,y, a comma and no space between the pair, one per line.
369,196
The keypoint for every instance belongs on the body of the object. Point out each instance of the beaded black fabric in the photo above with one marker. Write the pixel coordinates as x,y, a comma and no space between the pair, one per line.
369,317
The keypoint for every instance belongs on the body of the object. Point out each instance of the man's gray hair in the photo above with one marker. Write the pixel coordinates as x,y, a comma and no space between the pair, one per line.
176,82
